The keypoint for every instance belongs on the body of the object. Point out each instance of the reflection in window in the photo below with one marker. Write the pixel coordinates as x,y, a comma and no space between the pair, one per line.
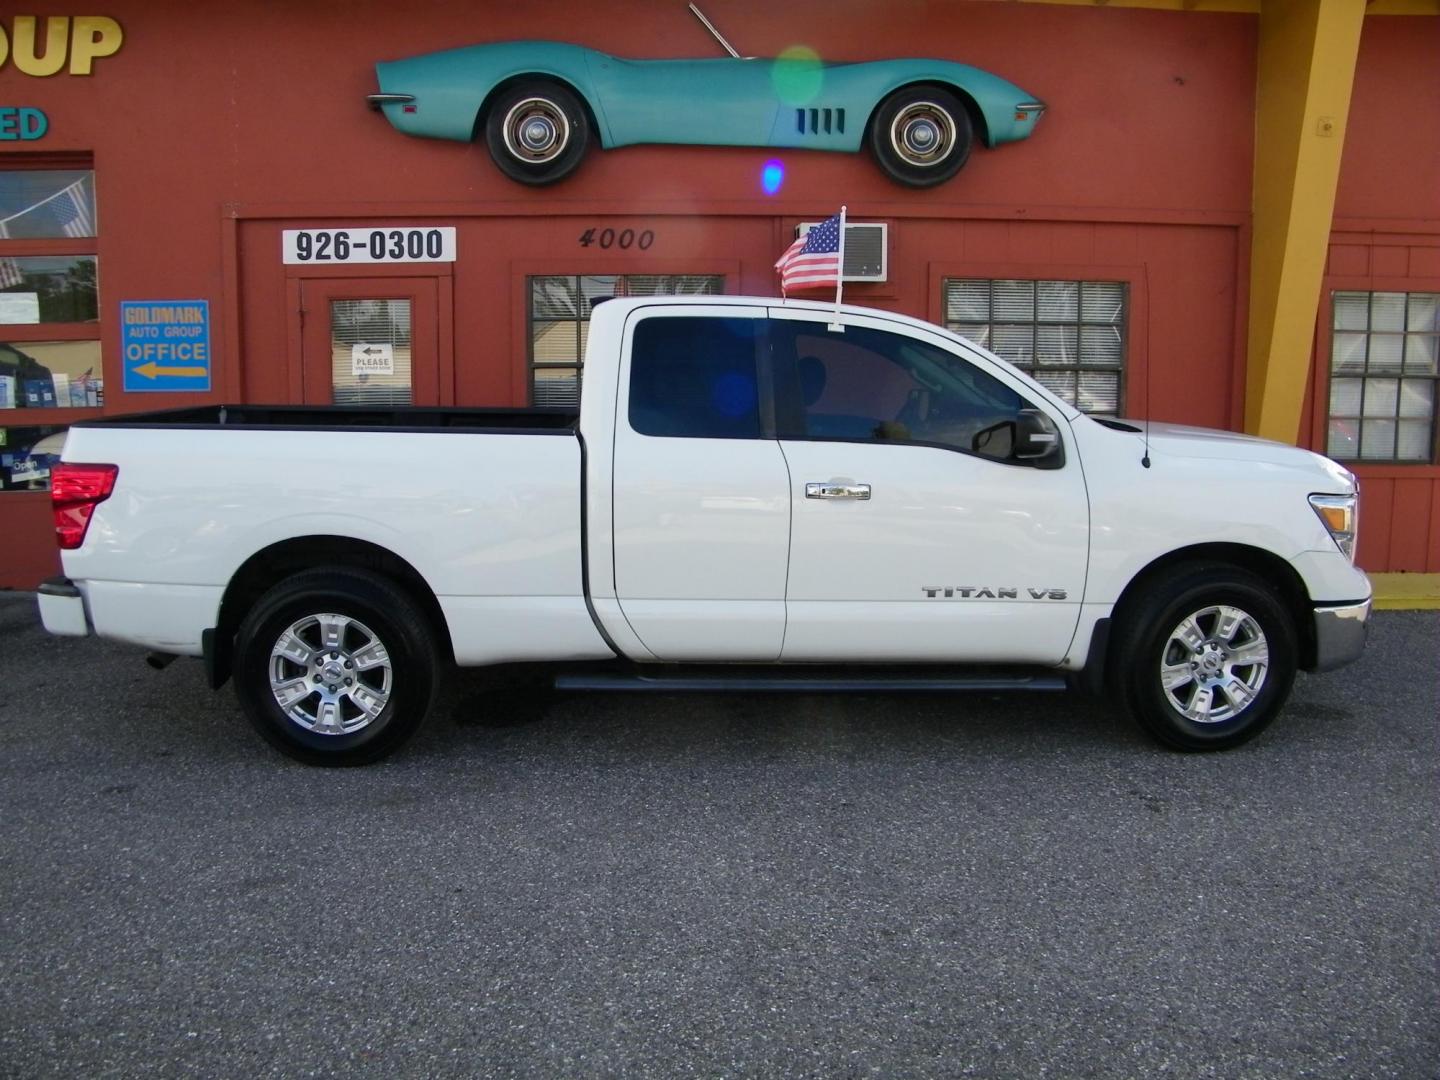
48,277
27,454
560,322
43,204
877,386
1069,336
48,289
50,375
1383,372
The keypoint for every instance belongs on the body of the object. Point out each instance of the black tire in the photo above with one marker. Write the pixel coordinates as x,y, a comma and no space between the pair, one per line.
559,121
1243,698
931,115
399,680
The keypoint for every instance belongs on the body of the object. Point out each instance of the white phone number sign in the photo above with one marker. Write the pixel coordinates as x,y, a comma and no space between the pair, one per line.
310,246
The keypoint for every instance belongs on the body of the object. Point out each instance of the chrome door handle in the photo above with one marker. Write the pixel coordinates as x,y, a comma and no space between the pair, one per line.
837,491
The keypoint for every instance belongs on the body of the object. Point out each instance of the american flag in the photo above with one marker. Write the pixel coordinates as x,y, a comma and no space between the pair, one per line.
813,261
65,213
10,275
71,209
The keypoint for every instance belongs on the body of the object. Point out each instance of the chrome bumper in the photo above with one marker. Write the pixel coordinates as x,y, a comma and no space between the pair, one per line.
1340,634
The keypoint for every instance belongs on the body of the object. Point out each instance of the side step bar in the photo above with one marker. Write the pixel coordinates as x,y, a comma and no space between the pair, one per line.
803,684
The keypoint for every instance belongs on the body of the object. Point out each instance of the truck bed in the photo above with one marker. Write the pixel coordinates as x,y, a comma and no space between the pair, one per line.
306,417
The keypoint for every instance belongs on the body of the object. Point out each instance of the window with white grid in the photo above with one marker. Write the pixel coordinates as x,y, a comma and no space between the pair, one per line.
1069,336
560,309
1383,352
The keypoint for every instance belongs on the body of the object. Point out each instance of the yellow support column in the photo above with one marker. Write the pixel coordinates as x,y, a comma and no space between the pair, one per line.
1302,100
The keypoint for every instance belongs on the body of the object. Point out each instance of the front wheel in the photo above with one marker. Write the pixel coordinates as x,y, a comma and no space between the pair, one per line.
1206,658
336,667
921,135
537,132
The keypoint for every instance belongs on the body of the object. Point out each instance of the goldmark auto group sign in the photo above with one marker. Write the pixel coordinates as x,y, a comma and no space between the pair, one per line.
48,45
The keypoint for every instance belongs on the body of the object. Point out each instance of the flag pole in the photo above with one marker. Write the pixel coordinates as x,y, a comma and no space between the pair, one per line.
835,323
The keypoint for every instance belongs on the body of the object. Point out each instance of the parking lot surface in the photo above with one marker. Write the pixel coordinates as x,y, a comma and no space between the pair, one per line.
994,886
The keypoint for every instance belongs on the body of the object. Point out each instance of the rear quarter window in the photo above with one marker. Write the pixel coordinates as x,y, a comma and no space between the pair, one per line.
695,378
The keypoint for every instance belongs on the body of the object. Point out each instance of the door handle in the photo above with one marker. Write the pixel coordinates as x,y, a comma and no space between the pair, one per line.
837,491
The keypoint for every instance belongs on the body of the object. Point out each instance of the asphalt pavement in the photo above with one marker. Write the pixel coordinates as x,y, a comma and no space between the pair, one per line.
989,886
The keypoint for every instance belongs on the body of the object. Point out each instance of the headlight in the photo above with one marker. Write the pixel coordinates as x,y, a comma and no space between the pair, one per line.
1339,514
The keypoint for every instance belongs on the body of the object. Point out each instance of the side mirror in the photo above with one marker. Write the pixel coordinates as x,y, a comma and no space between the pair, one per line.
1037,440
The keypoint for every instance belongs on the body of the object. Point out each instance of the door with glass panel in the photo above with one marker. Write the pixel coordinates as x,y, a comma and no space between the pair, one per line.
700,488
916,534
370,341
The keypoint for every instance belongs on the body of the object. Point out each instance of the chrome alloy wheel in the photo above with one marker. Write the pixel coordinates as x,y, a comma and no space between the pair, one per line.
330,674
536,130
922,133
1214,664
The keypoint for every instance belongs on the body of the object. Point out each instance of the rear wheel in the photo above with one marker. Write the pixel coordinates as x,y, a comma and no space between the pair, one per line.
336,667
1206,657
921,135
537,132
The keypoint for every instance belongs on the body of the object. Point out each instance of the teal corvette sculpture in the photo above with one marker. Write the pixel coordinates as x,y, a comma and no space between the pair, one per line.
540,103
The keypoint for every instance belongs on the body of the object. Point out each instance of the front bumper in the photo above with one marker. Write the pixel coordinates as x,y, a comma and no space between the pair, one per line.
62,608
1340,632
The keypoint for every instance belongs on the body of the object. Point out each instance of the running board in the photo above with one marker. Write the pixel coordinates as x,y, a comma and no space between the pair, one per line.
802,684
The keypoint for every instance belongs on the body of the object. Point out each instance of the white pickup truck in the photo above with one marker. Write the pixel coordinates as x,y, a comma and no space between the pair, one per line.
755,494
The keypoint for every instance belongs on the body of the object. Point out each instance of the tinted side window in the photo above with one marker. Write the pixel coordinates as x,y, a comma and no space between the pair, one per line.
695,378
870,384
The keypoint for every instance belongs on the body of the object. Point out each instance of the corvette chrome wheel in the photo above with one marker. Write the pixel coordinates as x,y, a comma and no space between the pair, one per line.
1214,664
922,134
536,130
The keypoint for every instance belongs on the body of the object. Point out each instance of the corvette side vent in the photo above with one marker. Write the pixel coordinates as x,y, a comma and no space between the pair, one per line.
820,121
866,248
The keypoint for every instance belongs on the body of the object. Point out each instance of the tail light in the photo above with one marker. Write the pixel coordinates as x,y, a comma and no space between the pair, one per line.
75,491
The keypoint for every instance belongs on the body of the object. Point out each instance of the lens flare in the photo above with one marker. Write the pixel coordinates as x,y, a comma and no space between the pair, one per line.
734,394
772,176
798,74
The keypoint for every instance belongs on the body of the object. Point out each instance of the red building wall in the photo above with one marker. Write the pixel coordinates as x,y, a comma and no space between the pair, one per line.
1386,237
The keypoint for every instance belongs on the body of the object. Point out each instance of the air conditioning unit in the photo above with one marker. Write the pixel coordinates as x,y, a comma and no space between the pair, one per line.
867,244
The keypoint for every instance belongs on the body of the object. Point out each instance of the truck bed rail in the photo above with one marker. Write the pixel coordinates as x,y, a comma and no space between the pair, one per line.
304,417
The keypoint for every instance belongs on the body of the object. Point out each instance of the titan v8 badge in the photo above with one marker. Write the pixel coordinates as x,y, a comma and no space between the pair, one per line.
984,592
